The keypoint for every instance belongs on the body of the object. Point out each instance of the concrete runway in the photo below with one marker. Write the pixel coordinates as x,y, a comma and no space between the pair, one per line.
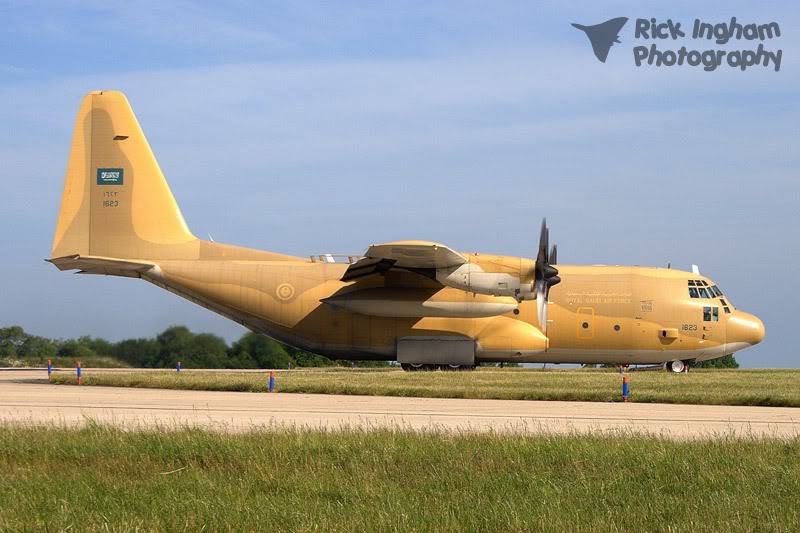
26,397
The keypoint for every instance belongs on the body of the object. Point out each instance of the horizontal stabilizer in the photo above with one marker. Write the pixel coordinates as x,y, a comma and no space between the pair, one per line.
102,265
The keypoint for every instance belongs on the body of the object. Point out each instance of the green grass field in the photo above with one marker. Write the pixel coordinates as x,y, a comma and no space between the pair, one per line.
779,388
99,478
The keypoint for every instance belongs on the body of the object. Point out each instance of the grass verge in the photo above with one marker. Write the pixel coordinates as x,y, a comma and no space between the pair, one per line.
99,478
777,388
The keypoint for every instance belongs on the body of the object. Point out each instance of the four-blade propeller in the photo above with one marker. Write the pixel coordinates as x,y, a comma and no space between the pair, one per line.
545,274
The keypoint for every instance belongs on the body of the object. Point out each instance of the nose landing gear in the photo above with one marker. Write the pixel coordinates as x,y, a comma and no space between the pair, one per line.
677,366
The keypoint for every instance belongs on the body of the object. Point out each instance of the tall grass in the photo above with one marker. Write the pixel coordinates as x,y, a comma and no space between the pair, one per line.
718,387
99,478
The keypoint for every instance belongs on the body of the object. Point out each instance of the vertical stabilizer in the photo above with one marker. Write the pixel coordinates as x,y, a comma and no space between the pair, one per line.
116,202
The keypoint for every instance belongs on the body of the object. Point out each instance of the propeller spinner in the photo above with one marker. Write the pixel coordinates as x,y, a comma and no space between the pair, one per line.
545,274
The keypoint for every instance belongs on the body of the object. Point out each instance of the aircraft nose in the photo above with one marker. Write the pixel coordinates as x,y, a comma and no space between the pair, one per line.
744,327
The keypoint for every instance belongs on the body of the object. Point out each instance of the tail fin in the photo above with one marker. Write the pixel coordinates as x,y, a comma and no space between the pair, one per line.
116,202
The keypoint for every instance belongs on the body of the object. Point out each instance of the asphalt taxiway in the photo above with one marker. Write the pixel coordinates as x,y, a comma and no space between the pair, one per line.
26,397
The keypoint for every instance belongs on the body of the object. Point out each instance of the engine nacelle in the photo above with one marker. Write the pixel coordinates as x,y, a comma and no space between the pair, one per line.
471,277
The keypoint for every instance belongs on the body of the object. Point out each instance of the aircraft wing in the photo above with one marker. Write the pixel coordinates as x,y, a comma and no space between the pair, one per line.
87,264
408,255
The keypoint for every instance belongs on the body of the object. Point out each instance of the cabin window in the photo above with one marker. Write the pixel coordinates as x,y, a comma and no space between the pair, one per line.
704,293
693,293
715,314
616,327
585,325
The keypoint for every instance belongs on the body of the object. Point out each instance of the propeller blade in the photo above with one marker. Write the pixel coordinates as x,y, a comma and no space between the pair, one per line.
541,257
554,255
541,306
547,245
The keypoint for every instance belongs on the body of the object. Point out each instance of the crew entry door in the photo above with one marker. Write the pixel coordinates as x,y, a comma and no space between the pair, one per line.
710,322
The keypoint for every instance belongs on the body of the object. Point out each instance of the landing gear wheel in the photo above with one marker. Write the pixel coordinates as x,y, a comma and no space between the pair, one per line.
677,366
413,367
420,367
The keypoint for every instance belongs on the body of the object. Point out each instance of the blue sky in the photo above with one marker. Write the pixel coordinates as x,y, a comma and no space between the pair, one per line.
376,121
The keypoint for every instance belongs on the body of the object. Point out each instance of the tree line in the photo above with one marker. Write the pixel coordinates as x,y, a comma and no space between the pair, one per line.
193,350
727,361
176,343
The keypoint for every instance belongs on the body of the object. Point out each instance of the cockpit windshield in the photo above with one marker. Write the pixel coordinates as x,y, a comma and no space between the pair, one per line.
699,288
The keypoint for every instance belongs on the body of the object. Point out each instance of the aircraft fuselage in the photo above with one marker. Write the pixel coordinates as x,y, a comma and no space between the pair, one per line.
597,314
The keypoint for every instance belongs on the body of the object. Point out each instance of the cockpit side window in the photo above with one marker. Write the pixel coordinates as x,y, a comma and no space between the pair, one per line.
715,314
706,314
693,293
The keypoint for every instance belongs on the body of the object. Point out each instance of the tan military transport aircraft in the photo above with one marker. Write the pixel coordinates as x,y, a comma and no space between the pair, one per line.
419,302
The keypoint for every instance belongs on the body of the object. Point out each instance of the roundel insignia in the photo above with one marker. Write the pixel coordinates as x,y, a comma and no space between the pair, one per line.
284,291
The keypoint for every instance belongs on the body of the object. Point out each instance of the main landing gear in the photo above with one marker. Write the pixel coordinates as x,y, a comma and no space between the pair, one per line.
418,367
677,366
